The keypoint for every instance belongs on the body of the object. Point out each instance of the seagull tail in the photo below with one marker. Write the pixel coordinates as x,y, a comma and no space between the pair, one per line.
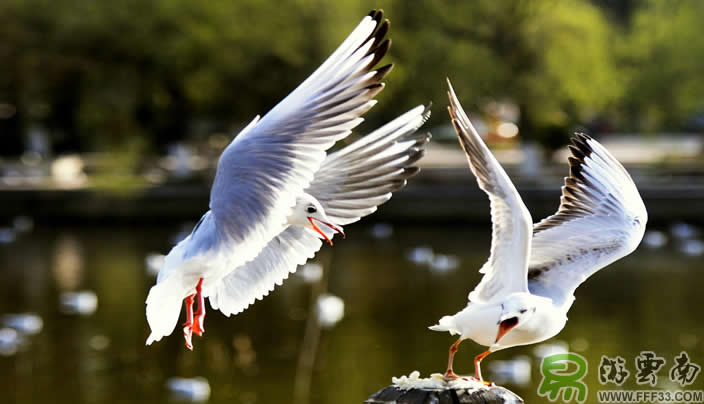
163,308
446,323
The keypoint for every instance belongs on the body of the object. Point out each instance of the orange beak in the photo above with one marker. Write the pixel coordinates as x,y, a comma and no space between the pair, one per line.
330,225
506,326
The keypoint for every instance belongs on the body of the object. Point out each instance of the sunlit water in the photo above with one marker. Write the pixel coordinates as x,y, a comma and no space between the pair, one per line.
272,353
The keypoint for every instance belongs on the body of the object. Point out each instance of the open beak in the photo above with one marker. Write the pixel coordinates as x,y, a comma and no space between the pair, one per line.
506,326
330,225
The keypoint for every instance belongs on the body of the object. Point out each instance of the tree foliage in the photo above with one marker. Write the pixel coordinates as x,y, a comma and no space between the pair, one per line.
663,59
96,74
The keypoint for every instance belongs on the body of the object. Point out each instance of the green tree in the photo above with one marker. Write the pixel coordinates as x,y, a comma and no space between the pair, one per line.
552,58
96,73
663,58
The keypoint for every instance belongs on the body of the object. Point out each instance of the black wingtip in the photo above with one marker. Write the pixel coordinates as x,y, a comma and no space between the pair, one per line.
576,152
583,136
381,32
382,48
382,28
379,52
377,14
580,147
409,172
374,89
382,72
375,86
426,111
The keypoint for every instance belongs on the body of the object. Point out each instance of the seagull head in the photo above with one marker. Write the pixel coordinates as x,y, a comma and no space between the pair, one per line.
515,311
310,213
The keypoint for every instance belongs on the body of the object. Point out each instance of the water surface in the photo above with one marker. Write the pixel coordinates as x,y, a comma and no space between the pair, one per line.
272,353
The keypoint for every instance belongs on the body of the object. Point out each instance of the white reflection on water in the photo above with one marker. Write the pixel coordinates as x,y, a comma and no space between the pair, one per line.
330,310
25,323
10,341
82,303
68,263
195,389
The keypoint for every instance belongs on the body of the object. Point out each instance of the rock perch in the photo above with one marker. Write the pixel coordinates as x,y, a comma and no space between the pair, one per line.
434,390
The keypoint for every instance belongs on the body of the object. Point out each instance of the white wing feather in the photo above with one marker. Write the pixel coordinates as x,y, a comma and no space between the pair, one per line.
353,181
261,173
600,220
255,279
385,155
505,271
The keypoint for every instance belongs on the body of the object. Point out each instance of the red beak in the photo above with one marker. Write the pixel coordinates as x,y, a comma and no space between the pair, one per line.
330,225
506,326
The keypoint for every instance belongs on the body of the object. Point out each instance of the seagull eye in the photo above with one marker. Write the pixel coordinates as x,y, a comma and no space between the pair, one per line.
522,311
311,209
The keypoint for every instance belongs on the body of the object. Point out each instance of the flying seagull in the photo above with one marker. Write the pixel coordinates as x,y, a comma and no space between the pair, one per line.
277,191
533,270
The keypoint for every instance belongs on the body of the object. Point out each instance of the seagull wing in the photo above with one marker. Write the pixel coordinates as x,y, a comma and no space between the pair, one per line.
255,279
353,181
505,271
600,220
264,169
350,184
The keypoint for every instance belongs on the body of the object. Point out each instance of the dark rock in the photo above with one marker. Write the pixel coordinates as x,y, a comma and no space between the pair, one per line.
492,395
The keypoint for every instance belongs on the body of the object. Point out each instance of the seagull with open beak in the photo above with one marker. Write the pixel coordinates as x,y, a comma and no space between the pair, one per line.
533,270
309,213
278,190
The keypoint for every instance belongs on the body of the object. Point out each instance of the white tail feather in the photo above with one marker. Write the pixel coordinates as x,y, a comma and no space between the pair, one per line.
163,308
446,323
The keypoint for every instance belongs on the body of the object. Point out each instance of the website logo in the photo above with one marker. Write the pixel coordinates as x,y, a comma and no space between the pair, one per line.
562,375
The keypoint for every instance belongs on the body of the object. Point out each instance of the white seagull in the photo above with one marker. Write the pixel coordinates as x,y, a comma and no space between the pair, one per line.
533,270
276,186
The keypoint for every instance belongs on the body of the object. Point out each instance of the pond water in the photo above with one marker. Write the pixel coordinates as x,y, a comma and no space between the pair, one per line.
275,352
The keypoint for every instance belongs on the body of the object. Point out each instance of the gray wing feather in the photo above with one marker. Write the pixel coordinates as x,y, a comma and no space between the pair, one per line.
505,270
264,169
255,279
601,219
353,181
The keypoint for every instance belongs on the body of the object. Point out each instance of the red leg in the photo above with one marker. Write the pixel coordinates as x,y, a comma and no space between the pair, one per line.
188,325
198,328
477,368
450,374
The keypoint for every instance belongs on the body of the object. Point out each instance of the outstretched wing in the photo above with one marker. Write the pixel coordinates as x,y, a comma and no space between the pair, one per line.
255,279
264,169
600,220
505,271
351,183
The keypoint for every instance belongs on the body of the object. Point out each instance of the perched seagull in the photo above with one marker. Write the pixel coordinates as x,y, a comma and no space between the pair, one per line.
533,270
277,192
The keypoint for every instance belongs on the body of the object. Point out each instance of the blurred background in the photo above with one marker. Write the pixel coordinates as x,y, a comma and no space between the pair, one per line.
113,115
